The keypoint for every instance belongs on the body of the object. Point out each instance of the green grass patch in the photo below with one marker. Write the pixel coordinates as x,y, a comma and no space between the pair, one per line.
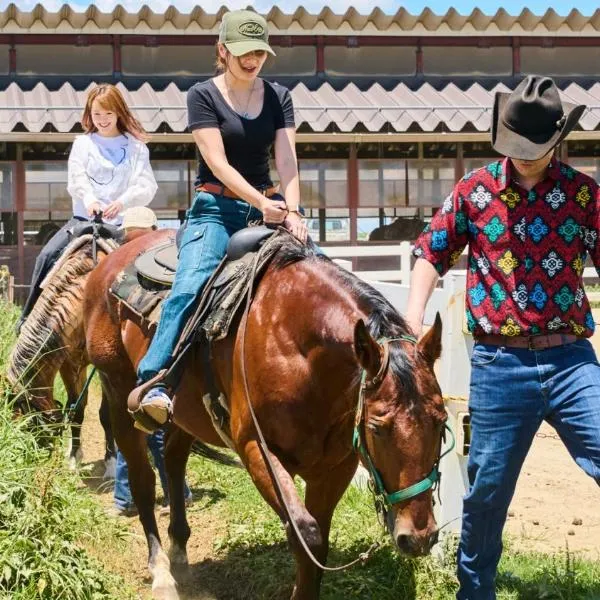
252,556
49,525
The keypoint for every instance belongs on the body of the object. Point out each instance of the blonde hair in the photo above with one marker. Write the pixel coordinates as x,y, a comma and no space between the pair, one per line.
110,98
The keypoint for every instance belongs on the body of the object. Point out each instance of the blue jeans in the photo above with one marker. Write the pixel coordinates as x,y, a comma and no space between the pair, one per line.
211,221
512,391
122,494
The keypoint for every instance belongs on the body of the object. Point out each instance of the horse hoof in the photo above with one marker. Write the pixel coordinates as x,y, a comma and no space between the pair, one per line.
110,468
164,590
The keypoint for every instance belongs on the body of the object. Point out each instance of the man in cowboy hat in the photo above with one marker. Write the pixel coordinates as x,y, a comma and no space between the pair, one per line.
529,221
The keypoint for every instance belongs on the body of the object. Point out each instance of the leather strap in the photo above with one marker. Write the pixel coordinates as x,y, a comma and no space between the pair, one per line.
533,342
220,190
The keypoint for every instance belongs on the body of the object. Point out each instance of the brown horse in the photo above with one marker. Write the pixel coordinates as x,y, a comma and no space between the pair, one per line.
313,333
52,340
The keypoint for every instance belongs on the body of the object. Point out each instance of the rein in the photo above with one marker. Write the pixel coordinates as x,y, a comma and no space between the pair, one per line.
358,444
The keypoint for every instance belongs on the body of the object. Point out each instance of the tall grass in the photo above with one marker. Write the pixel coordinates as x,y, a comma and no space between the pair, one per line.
46,519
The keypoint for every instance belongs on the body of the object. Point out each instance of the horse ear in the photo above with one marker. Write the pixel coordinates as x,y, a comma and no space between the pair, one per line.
366,348
430,345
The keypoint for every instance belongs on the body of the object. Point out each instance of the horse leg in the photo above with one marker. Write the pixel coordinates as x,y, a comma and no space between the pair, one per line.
322,496
132,443
110,450
307,582
74,376
177,450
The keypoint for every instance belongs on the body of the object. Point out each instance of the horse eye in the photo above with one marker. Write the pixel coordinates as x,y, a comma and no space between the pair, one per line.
377,426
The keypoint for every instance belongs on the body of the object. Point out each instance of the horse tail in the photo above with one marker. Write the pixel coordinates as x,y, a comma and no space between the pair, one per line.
201,449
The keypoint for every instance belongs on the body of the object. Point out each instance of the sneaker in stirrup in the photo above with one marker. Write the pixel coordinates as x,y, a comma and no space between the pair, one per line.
157,405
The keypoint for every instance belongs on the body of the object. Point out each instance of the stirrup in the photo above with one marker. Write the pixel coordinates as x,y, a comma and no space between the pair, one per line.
153,413
148,420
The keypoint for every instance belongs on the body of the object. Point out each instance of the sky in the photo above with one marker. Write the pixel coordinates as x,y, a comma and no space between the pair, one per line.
586,7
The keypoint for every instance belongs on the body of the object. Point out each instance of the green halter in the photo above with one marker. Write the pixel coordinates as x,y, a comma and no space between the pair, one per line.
359,445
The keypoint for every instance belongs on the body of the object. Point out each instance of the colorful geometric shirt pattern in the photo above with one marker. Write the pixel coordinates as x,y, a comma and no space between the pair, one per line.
527,250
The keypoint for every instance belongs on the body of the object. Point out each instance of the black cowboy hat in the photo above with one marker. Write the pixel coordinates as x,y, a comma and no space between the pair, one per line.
530,121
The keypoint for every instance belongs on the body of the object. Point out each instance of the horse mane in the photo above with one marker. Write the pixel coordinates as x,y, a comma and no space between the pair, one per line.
44,335
383,319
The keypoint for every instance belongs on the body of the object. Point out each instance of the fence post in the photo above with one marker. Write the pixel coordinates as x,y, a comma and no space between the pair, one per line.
405,258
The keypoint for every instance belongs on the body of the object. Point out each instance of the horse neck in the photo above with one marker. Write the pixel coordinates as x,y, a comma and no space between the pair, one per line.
53,327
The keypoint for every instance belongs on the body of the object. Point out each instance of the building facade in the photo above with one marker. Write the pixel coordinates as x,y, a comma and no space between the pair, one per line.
390,109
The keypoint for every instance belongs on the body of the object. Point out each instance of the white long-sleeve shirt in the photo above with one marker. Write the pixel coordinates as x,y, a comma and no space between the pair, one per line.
94,178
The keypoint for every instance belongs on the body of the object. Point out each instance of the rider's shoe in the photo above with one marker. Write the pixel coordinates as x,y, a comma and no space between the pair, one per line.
156,409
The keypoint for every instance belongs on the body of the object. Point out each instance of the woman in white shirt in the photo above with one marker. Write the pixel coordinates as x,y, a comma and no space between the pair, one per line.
108,171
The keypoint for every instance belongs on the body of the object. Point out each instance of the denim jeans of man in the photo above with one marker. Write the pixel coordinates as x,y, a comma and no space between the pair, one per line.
122,492
512,391
211,221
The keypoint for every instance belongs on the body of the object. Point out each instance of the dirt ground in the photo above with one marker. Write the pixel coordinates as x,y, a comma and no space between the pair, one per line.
555,505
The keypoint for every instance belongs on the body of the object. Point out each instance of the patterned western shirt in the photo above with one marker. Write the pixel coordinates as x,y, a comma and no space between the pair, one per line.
527,250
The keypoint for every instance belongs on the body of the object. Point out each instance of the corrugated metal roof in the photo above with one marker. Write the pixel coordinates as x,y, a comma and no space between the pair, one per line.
349,110
171,21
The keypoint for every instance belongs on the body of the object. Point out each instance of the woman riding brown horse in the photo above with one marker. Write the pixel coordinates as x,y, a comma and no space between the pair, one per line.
307,349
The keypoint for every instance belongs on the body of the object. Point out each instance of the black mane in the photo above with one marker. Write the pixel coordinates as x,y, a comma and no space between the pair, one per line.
383,319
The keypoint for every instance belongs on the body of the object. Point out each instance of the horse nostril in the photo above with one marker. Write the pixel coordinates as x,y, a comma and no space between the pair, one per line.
404,543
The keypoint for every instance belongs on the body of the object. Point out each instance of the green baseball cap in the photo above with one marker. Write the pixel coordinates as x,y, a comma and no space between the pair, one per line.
244,31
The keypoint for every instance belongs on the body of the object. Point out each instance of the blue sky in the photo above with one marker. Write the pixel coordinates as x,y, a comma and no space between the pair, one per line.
587,7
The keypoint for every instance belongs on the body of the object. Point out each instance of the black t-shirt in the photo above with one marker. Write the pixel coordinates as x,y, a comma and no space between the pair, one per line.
247,142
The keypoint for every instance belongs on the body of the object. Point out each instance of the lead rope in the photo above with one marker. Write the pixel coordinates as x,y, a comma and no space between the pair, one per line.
265,450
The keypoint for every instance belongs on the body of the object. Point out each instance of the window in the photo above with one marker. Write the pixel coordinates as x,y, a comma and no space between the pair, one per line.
467,60
332,226
429,181
4,63
174,190
382,182
324,183
174,61
567,61
8,216
297,60
48,205
61,59
370,60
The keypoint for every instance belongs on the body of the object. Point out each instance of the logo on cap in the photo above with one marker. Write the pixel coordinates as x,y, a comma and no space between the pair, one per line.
252,29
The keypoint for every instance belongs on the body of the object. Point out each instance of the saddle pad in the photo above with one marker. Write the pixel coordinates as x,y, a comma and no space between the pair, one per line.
143,302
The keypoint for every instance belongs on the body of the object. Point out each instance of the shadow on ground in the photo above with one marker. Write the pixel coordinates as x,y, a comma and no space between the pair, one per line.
266,572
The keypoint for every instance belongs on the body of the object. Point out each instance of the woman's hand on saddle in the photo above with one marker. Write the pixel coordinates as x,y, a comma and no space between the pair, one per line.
113,209
274,211
296,226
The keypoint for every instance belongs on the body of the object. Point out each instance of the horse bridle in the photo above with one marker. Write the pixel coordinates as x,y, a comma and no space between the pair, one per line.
383,498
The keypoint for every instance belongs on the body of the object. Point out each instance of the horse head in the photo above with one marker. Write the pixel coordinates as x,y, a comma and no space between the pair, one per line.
398,430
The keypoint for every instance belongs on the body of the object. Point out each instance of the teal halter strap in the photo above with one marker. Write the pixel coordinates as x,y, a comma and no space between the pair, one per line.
358,443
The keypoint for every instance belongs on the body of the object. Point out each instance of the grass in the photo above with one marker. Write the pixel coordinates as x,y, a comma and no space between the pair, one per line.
252,557
47,521
51,529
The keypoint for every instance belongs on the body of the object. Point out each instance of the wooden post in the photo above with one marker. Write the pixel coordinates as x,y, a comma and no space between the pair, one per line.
20,195
353,182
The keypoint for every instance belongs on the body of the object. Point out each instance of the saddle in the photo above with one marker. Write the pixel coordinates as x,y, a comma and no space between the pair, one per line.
147,282
157,266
